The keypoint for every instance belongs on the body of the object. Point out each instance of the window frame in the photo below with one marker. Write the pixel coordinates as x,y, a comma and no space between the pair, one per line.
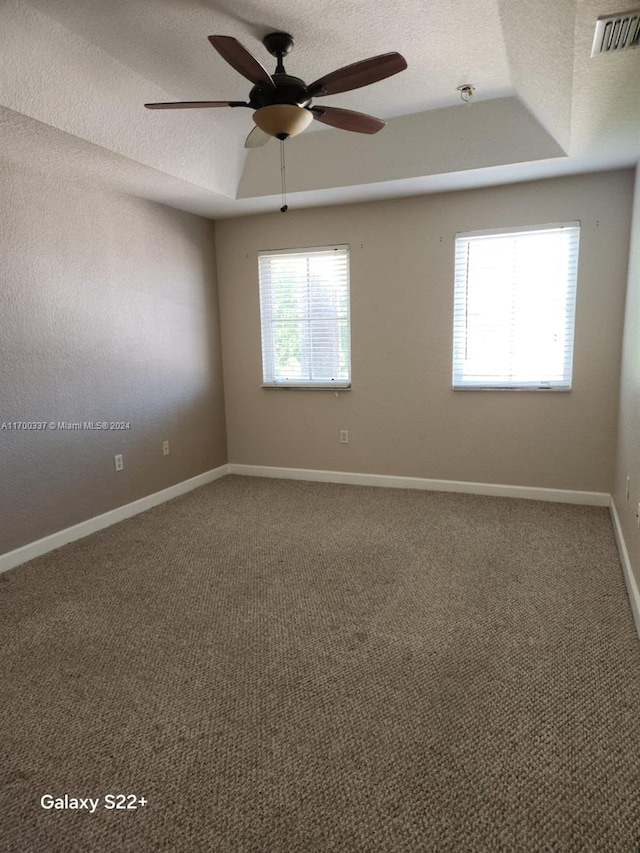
563,385
266,326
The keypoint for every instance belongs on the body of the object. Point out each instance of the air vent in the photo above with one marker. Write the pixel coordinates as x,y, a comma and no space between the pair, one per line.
616,32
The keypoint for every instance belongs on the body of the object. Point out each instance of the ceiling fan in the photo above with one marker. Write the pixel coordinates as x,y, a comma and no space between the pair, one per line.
282,104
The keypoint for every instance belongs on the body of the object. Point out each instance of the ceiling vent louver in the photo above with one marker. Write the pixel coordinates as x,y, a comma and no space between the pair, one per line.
616,32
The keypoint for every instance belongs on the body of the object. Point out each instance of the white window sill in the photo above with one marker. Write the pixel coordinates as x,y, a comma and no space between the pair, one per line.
502,388
315,387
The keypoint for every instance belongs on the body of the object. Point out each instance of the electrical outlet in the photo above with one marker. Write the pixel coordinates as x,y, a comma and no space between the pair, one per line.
119,461
165,448
628,486
344,436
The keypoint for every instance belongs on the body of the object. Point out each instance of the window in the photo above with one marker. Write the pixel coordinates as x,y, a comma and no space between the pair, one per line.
514,308
304,310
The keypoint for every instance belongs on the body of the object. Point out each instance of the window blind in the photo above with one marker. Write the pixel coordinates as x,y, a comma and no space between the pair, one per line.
304,310
514,308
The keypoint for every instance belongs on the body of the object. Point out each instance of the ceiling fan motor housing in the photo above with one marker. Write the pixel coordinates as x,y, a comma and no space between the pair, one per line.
289,90
281,112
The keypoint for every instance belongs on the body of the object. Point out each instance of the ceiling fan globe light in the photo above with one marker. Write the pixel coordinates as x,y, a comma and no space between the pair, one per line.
282,120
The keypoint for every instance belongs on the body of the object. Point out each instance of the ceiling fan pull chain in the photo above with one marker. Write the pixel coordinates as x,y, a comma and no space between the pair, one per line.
285,206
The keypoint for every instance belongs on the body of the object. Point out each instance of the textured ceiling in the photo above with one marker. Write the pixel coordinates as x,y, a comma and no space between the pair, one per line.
74,75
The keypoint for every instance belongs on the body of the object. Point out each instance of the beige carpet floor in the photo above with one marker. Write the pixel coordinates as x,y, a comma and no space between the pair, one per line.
281,666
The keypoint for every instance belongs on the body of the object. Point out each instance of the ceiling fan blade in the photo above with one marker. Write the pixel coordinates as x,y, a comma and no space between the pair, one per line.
348,119
194,105
244,63
358,74
257,138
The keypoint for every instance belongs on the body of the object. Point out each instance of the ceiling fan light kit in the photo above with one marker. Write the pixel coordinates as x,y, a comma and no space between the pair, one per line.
283,120
282,104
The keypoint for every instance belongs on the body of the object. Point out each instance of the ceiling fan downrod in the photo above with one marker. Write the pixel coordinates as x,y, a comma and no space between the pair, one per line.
279,45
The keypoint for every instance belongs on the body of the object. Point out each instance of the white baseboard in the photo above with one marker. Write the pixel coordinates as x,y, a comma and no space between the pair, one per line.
99,522
632,587
529,492
91,525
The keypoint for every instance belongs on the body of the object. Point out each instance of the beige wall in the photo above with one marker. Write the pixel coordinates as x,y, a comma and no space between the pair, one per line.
628,455
403,417
108,312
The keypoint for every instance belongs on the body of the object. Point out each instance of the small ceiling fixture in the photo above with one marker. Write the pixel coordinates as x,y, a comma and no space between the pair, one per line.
466,92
